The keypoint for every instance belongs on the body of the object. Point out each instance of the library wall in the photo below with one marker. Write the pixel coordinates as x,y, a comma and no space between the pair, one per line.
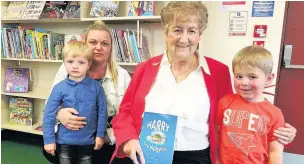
217,44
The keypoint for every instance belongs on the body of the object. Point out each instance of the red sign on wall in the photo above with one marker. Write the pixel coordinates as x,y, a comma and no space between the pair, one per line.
260,31
259,43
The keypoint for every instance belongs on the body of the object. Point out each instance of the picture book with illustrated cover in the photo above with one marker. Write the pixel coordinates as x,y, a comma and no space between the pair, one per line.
104,8
140,8
72,11
56,45
33,10
157,137
17,80
15,10
133,8
73,37
146,8
54,10
21,111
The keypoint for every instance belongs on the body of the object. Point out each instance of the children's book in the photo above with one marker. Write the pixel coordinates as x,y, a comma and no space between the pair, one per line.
72,37
54,10
104,8
15,10
33,10
133,8
21,111
157,137
140,8
16,80
72,11
146,8
56,45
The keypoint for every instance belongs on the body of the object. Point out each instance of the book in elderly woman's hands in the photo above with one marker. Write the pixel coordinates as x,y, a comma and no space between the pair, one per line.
157,137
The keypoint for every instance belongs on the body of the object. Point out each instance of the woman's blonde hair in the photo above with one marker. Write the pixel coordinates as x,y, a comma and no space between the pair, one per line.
254,56
182,11
111,63
77,48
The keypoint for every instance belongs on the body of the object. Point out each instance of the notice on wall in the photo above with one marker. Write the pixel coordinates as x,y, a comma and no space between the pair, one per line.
262,8
238,23
233,6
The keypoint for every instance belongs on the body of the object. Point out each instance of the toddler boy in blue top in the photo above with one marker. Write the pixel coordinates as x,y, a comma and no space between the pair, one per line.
84,94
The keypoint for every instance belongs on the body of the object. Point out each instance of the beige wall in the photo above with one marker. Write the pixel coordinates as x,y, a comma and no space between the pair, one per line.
217,44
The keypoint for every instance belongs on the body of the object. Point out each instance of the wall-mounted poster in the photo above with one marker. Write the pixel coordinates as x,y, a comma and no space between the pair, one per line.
238,23
233,6
262,8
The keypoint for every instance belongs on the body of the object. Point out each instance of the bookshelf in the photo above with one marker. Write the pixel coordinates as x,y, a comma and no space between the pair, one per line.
41,21
57,61
43,71
37,117
32,60
119,20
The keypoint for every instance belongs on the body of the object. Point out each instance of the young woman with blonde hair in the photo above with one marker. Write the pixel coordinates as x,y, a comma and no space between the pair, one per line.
112,77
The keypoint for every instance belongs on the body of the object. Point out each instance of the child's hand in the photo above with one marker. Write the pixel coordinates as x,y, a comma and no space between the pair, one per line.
50,148
98,143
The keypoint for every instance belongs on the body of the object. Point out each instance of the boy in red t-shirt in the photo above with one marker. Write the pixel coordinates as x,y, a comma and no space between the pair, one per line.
246,120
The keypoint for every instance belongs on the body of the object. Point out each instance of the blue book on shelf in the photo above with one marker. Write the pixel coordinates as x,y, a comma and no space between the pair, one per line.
157,137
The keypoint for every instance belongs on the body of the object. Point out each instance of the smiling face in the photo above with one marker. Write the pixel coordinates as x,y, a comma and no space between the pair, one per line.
249,82
182,39
100,43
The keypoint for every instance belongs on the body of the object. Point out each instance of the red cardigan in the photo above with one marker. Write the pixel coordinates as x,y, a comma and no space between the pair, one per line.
127,123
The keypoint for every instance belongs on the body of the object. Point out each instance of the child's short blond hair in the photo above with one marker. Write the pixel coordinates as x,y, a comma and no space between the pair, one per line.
254,56
77,48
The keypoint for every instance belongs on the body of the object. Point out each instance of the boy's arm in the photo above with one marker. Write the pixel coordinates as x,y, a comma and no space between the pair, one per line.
49,115
102,112
275,152
218,122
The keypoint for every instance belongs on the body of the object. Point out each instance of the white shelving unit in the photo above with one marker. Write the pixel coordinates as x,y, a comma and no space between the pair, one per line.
43,71
57,61
33,60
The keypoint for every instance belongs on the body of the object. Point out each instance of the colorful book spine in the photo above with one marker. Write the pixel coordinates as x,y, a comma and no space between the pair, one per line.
134,47
6,43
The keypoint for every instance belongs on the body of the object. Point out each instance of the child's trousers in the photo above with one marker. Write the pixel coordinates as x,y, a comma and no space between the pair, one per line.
75,154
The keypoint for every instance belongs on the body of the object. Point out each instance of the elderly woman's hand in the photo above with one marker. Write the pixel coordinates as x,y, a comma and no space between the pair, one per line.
68,119
285,134
132,149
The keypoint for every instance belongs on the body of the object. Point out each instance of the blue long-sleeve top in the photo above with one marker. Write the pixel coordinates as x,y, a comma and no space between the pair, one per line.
88,98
